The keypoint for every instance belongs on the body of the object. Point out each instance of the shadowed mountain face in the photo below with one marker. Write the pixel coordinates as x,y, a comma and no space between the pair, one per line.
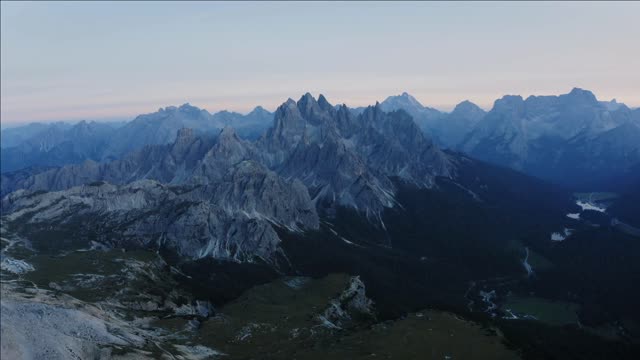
447,129
159,128
55,145
350,159
249,126
427,118
11,137
59,144
455,125
571,139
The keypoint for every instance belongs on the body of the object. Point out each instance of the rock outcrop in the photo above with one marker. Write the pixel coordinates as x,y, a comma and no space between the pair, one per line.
351,307
232,220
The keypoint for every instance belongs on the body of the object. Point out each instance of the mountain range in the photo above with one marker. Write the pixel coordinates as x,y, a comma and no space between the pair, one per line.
573,140
313,161
235,196
60,143
327,156
371,193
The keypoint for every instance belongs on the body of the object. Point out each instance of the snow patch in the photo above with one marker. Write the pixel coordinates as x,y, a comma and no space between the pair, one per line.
590,206
15,266
197,352
347,241
526,264
556,236
296,282
574,216
510,315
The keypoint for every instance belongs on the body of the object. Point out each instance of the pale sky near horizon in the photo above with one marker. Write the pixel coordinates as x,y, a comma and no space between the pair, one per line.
71,61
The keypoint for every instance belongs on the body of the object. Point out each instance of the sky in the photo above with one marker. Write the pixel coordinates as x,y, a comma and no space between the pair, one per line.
102,60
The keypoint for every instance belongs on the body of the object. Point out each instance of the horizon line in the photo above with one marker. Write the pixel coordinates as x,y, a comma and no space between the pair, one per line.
244,110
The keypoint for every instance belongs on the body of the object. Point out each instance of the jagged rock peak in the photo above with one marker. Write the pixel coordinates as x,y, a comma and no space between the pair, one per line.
466,104
466,107
373,110
184,108
307,104
580,91
404,99
342,109
614,105
324,104
582,95
508,102
307,96
167,108
289,104
227,137
259,110
287,108
227,132
510,99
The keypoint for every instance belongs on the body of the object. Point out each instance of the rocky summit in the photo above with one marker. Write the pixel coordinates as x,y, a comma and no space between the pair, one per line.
350,159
